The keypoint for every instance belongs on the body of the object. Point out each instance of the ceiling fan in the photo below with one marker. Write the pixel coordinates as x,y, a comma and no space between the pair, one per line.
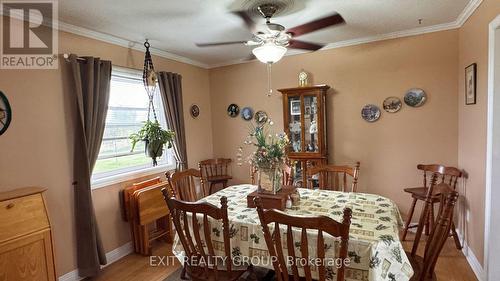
273,39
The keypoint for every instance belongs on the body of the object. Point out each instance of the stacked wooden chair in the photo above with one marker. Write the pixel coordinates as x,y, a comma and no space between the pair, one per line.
439,174
424,266
320,223
332,177
146,211
215,171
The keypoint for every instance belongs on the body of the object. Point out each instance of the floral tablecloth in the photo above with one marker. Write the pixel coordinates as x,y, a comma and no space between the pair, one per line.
374,247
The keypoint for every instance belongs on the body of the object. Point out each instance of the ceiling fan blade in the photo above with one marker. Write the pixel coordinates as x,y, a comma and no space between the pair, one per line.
220,43
297,44
334,19
249,22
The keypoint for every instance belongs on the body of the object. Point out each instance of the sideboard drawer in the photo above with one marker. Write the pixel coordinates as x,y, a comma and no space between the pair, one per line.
23,215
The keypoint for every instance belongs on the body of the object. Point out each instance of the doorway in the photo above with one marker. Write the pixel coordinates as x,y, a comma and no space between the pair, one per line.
492,215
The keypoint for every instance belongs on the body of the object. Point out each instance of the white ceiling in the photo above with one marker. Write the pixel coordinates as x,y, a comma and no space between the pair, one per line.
175,26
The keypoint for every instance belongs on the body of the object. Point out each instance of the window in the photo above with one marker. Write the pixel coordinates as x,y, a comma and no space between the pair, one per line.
127,112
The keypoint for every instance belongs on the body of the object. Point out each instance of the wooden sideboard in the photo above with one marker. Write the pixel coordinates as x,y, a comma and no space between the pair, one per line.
26,248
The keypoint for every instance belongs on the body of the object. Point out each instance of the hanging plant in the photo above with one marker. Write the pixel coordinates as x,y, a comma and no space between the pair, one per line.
153,135
155,138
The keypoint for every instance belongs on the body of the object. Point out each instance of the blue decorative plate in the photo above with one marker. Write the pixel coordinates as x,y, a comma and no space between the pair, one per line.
415,97
247,113
370,113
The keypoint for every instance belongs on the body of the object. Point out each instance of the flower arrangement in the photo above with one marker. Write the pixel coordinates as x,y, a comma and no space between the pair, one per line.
270,148
269,155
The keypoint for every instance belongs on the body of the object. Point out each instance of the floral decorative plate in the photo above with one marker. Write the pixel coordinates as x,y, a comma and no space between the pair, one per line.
392,104
247,113
194,110
415,97
233,110
260,117
370,113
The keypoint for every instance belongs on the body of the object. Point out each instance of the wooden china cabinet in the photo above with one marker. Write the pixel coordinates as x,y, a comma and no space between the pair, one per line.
304,119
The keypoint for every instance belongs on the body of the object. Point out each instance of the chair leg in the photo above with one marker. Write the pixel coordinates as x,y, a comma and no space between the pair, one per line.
431,218
454,233
408,220
183,273
224,184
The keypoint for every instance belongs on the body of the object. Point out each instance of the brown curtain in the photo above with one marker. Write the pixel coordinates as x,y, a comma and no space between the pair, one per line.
171,93
90,89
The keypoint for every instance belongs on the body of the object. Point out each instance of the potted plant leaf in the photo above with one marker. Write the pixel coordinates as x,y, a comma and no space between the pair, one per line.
154,137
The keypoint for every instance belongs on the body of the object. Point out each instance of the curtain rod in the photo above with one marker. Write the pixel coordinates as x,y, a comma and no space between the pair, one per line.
66,57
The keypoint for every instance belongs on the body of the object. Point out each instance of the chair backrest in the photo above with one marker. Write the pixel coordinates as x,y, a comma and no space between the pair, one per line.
287,177
185,217
333,177
319,223
440,233
184,185
448,175
215,167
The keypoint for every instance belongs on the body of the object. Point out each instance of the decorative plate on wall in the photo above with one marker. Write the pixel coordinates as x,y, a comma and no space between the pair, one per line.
5,113
260,117
415,97
247,113
233,110
392,104
370,113
194,110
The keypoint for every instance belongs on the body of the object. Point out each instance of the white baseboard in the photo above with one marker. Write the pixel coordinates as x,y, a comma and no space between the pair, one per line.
471,259
111,257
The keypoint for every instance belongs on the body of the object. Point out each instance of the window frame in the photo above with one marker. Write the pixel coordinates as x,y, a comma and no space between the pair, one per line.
141,171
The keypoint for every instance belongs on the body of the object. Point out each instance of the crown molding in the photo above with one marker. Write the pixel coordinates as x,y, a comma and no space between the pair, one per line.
467,12
111,39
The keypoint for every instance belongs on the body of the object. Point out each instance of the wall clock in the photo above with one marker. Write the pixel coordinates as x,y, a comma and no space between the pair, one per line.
5,113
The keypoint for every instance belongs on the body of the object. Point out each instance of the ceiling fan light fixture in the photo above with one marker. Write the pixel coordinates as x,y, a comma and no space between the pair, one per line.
269,53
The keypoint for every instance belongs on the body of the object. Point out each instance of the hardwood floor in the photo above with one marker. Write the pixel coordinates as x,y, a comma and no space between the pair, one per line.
451,265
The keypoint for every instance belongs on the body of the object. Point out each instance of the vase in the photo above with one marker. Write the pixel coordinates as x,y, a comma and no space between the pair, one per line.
154,150
269,180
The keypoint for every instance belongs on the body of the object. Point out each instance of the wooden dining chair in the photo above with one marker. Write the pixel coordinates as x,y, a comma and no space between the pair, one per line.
319,223
215,171
287,178
424,266
442,174
333,177
184,185
186,217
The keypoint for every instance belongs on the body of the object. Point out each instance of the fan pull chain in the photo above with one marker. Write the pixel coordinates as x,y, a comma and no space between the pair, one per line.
269,79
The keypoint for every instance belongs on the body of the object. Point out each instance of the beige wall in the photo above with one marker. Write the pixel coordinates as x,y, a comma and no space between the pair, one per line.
473,48
388,149
37,148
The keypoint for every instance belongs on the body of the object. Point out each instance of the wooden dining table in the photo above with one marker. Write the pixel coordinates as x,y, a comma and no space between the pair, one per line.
375,251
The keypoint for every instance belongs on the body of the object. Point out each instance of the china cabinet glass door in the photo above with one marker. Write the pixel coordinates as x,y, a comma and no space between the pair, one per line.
311,123
295,125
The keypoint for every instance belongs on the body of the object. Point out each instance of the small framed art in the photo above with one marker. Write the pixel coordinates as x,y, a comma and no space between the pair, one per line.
295,107
470,84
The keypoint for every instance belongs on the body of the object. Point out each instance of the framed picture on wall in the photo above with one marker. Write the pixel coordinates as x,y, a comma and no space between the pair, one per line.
470,84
